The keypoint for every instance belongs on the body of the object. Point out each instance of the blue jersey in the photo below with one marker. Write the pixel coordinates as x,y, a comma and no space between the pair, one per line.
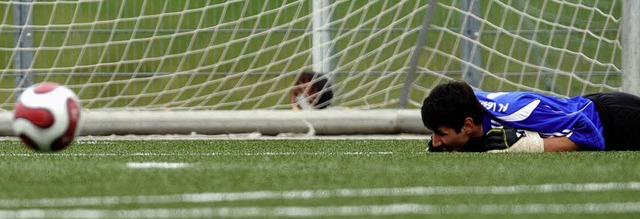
575,118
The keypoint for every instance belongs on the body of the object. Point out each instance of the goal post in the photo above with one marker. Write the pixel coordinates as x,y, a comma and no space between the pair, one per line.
204,65
631,57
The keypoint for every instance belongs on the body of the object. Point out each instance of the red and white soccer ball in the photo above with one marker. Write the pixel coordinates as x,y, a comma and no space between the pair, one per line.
46,117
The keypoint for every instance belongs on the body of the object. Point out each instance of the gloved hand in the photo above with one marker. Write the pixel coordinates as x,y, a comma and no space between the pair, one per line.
501,140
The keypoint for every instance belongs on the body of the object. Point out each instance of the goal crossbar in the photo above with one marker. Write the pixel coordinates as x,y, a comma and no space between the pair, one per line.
265,122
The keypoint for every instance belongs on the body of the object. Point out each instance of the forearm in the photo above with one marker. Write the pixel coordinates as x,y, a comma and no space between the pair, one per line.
558,144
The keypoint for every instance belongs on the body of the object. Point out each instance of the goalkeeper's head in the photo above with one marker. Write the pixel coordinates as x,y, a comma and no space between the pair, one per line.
452,111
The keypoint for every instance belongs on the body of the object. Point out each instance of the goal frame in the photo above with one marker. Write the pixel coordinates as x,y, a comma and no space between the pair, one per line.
262,122
334,121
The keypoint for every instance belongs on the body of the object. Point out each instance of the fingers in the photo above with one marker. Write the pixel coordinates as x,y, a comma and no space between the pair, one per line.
498,151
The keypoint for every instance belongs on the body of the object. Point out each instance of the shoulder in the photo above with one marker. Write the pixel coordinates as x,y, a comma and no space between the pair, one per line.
512,101
514,95
490,100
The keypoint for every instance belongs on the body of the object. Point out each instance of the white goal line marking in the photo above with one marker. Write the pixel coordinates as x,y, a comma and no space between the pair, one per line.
355,153
318,194
162,165
350,210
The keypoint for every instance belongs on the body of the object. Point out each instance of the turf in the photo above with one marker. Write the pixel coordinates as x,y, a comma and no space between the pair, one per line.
312,178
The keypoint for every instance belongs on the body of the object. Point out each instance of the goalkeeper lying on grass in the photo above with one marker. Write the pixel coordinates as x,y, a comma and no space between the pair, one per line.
466,120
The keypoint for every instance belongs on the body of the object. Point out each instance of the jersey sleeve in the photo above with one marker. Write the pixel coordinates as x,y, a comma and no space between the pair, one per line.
574,118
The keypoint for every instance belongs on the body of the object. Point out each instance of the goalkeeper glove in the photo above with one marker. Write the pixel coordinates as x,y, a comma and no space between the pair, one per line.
500,140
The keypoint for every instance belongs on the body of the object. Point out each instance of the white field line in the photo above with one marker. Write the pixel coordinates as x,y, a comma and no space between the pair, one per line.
333,211
160,165
318,194
241,137
354,153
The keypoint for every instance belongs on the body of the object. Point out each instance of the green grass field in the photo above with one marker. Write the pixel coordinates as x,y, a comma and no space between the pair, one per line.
311,179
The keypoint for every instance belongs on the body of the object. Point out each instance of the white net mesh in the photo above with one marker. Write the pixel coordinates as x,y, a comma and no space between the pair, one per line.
242,54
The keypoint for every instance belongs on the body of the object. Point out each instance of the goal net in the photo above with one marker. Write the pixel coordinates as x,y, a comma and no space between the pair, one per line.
189,62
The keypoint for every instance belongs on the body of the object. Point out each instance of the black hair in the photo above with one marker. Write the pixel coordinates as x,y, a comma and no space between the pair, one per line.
449,105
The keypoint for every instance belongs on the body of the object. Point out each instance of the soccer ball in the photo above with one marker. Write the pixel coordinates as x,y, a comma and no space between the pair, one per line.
46,117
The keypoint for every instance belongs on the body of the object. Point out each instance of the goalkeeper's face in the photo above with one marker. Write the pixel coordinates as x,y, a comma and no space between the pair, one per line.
448,139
